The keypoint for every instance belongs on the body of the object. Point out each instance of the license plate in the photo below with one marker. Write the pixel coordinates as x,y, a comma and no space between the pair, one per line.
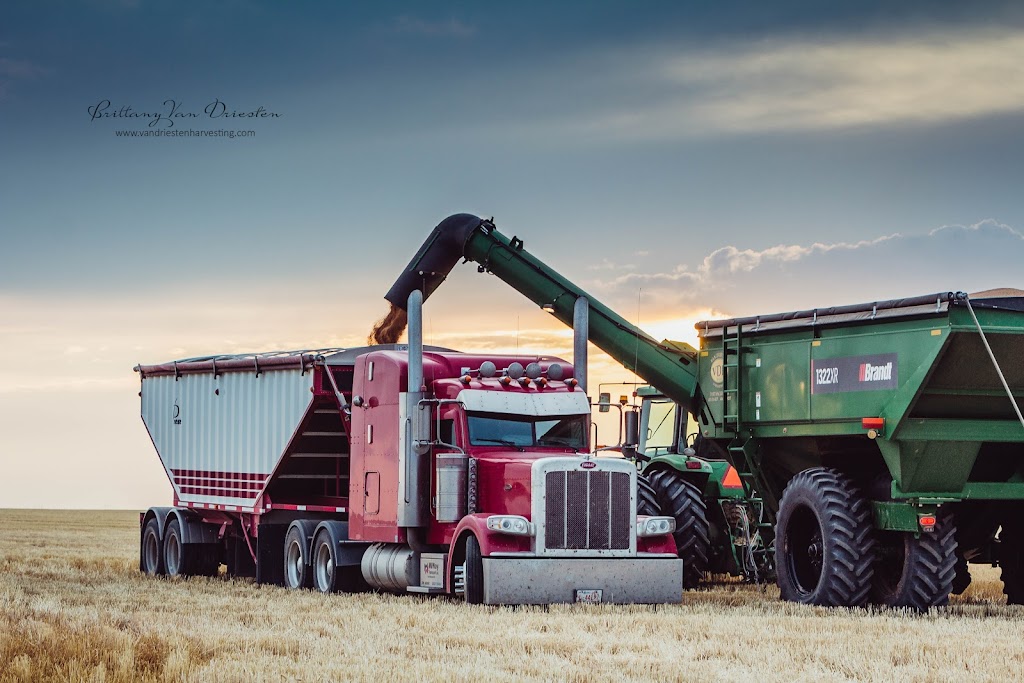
589,595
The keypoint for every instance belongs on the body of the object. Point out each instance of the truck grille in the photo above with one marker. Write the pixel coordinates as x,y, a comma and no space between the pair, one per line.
587,510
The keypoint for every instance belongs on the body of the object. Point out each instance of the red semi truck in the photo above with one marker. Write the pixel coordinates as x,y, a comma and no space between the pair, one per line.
401,469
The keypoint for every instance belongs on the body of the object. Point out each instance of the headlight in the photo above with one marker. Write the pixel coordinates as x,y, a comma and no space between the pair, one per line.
655,526
510,524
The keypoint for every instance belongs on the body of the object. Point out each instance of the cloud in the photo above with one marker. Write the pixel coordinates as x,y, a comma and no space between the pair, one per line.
12,70
450,27
801,84
746,281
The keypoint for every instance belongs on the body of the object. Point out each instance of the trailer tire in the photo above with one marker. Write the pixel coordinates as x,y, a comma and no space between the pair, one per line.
176,556
1011,561
916,572
151,552
824,545
297,570
683,501
474,576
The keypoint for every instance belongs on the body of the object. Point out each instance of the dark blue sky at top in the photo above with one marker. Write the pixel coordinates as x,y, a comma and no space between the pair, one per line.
395,114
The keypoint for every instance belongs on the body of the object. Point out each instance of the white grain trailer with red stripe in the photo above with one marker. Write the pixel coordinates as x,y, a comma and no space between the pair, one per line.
327,468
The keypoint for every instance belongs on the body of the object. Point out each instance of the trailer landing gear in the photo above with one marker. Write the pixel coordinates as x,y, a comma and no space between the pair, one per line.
824,547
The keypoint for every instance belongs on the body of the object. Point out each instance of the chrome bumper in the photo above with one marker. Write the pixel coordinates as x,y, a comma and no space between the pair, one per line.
537,581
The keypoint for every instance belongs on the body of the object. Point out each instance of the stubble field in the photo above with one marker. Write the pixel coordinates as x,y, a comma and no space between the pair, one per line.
74,607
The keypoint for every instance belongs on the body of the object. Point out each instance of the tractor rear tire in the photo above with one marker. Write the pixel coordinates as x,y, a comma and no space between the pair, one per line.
916,572
1011,560
646,498
824,544
474,576
151,553
682,500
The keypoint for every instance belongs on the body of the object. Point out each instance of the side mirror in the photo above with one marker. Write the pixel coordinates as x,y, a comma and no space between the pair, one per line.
604,401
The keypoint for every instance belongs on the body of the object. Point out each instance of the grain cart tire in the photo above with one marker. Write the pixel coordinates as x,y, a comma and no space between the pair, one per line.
824,545
297,570
1011,560
474,575
177,558
916,572
682,500
646,498
151,552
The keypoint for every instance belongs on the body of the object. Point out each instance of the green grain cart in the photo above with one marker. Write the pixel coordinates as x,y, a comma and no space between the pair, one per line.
879,447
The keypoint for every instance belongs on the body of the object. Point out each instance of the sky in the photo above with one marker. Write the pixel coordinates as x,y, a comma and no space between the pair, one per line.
679,160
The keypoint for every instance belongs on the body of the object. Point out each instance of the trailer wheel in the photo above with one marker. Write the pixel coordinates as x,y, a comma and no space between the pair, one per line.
916,572
824,550
297,573
150,551
683,500
175,555
1011,560
474,573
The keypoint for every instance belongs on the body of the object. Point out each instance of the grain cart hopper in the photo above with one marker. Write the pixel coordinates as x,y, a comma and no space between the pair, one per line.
883,442
401,469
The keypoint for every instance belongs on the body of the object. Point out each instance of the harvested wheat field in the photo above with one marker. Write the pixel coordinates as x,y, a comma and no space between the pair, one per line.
74,607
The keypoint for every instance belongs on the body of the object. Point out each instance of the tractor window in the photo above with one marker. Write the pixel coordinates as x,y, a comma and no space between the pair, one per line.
661,423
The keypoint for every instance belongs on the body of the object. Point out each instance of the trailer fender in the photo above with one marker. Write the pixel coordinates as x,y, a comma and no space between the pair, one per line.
193,529
160,514
350,553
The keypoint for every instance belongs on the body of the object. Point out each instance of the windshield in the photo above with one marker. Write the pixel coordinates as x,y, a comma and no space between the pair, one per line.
522,431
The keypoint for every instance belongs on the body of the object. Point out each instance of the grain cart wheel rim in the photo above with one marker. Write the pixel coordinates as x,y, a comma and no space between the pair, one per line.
473,574
683,501
174,550
296,570
151,551
824,550
324,564
916,572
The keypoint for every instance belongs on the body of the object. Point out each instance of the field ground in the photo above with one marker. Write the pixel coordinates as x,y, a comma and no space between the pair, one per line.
74,607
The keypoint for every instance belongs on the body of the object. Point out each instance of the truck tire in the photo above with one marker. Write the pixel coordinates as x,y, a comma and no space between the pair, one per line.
1011,560
824,546
916,572
151,552
297,570
682,500
327,575
474,575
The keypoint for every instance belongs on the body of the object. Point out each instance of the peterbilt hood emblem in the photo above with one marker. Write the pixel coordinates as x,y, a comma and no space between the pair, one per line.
588,464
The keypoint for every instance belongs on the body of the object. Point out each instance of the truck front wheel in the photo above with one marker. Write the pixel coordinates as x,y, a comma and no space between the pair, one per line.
474,572
682,500
824,549
916,572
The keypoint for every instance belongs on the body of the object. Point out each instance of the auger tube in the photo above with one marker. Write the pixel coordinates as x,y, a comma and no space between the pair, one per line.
667,366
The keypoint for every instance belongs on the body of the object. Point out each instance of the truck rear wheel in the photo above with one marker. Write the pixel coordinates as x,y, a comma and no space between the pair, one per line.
474,574
328,575
682,500
916,572
297,573
824,552
151,556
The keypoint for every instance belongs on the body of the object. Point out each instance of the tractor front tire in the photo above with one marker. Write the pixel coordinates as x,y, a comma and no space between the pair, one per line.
824,545
682,500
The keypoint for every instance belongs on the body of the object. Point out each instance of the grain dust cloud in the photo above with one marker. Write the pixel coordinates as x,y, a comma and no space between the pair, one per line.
389,329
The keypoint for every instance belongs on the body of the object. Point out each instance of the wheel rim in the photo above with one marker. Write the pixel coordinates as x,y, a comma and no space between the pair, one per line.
324,568
173,558
151,553
294,564
806,550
